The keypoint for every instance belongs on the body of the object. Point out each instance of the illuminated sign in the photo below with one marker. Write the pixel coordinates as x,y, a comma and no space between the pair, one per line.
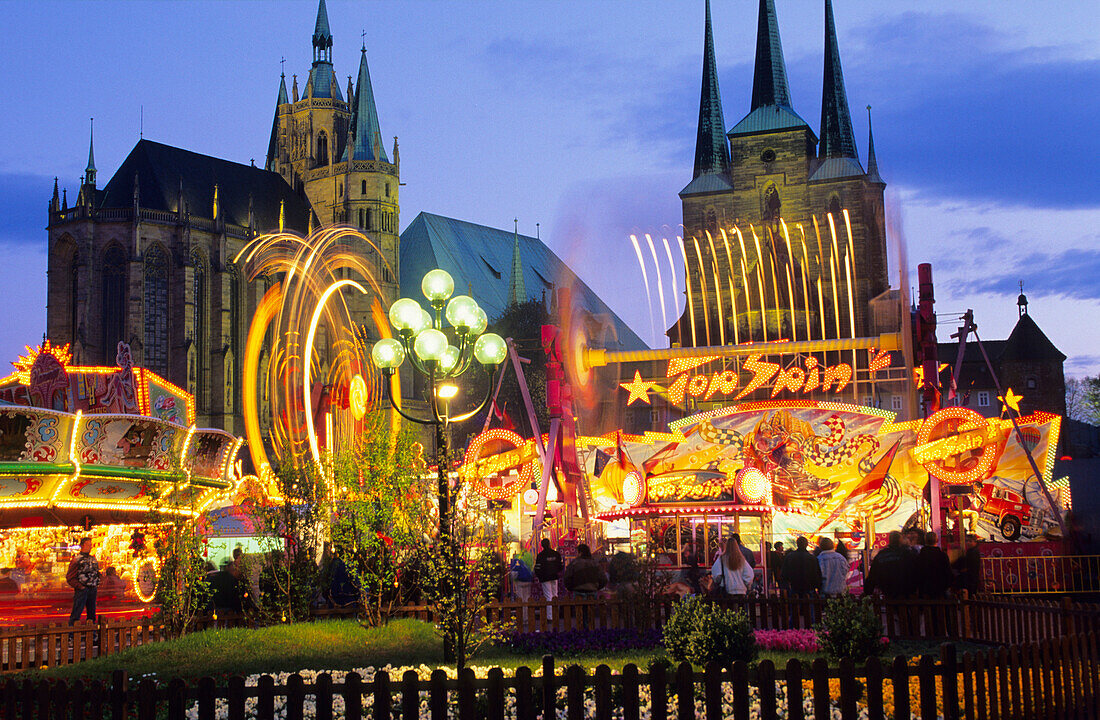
480,472
958,445
685,488
809,377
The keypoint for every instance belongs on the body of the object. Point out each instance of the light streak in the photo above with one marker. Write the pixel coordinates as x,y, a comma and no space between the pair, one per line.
733,295
645,281
690,302
660,283
675,293
717,289
703,288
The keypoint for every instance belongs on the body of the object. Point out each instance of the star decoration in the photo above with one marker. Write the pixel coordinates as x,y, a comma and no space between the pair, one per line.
918,373
1011,400
638,388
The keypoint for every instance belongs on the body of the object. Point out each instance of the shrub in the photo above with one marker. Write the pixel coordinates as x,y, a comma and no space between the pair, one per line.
849,628
700,631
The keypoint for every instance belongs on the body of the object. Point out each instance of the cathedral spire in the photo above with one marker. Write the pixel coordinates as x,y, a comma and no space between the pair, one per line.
55,201
273,142
322,36
872,161
89,172
283,100
364,119
769,82
711,151
837,138
517,291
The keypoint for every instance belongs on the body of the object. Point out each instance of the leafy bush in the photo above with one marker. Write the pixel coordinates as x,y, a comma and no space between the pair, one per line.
850,628
700,631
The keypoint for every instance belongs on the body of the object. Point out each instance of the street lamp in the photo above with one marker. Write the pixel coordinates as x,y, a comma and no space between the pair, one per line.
421,339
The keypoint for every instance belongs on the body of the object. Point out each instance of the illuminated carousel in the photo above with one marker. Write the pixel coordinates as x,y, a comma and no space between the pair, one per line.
108,452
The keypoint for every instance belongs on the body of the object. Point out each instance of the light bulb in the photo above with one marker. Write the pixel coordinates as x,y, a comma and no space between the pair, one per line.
437,285
461,311
430,344
387,354
423,322
480,322
490,349
405,314
449,360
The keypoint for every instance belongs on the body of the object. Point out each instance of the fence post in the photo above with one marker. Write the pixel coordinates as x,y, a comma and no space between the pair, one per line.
42,701
795,710
765,681
437,694
964,612
820,670
147,699
1069,625
525,706
630,692
77,701
900,676
949,664
206,699
177,699
383,698
685,692
467,694
549,688
601,685
873,671
574,692
410,696
120,684
265,698
712,690
322,695
659,700
235,698
848,690
494,694
295,698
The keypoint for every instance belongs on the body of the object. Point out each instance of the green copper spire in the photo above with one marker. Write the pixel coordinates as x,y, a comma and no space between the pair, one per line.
283,99
769,82
273,141
711,150
837,138
517,291
322,36
89,172
872,161
364,119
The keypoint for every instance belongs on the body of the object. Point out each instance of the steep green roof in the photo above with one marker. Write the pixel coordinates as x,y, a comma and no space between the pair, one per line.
837,138
321,31
480,260
712,154
769,118
872,161
1027,342
161,168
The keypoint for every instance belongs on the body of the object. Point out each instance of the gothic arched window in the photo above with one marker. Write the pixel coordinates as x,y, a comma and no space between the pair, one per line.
156,309
833,206
114,301
199,326
368,225
322,148
712,222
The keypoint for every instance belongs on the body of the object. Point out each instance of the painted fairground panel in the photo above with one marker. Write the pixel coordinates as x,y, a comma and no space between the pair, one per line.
208,453
129,441
34,435
164,401
831,467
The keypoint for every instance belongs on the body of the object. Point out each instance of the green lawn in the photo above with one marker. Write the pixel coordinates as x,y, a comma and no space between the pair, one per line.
340,645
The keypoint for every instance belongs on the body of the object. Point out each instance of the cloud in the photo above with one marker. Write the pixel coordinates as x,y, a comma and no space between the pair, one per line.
1072,273
24,198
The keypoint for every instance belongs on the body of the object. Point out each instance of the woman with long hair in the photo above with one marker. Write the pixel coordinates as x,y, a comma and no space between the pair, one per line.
731,571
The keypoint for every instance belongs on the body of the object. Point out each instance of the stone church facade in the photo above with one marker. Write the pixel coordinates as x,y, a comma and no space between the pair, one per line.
149,258
770,176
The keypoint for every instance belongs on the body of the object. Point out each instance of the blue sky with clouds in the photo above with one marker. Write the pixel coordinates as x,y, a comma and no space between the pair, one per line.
580,116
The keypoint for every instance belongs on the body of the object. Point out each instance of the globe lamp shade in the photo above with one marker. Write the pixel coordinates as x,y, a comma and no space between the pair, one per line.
449,360
461,311
387,354
424,323
437,285
405,314
479,323
490,349
430,345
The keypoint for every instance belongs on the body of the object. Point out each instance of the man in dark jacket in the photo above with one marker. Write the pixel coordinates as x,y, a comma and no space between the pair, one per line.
802,575
584,575
933,569
83,578
548,567
893,571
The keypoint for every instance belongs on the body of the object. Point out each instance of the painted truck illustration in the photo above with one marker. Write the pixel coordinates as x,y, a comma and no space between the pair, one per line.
1009,512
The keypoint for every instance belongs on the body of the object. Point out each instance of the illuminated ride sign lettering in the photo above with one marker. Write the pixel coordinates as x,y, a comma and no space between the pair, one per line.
515,468
806,378
959,446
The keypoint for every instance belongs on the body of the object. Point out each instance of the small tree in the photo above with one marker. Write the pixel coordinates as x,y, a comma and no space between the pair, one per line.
850,628
182,591
383,514
460,577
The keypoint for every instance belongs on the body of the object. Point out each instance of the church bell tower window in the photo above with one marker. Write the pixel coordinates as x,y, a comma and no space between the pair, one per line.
156,310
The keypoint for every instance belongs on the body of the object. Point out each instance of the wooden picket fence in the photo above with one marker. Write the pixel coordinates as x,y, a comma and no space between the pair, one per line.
1058,678
994,619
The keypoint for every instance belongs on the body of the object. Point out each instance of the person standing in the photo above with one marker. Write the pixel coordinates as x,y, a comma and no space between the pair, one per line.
83,577
548,567
731,571
775,565
750,556
521,578
893,571
933,569
802,575
834,569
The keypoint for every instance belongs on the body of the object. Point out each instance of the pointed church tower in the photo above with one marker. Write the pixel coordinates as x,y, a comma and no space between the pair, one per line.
517,290
364,118
872,161
769,80
87,187
273,147
837,138
712,155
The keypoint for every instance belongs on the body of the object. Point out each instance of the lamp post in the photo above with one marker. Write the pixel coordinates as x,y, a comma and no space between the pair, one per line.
421,339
